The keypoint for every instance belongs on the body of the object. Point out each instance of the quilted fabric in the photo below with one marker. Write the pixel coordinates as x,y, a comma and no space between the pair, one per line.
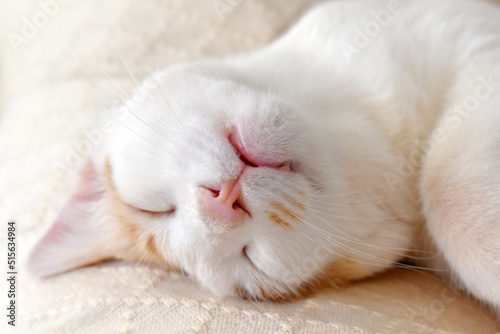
83,57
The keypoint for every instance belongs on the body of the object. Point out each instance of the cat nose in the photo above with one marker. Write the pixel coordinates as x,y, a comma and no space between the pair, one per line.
223,204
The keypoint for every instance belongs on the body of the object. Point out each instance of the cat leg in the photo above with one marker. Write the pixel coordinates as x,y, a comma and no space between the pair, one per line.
460,191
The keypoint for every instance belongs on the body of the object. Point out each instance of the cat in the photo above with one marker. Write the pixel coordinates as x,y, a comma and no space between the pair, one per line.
366,135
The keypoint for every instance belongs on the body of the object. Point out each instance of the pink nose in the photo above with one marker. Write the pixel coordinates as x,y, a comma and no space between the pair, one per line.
224,203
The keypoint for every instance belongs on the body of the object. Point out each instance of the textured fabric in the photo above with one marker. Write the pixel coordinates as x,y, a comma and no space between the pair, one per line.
85,58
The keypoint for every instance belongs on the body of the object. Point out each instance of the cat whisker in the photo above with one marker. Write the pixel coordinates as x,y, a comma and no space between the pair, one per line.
402,252
366,219
342,246
315,200
388,263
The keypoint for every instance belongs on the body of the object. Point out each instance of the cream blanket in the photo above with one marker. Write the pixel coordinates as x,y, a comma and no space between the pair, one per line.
61,67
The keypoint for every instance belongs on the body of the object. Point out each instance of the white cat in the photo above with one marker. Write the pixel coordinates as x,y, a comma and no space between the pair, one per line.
367,134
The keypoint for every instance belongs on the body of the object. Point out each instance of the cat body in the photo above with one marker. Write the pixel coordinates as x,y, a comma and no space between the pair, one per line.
367,134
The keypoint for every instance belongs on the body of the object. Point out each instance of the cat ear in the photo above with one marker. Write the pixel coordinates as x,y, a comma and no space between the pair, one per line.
82,231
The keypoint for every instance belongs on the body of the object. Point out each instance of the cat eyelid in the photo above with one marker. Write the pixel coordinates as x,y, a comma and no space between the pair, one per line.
245,255
290,165
169,211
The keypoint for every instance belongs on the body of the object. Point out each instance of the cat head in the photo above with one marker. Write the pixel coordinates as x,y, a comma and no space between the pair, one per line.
208,174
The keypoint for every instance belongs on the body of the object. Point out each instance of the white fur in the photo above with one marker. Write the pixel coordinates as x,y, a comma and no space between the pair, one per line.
375,143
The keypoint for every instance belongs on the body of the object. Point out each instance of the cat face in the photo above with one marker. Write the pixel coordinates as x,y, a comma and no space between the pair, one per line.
222,181
225,181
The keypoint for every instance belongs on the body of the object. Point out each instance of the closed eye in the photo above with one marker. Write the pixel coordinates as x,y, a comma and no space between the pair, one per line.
245,255
170,210
288,165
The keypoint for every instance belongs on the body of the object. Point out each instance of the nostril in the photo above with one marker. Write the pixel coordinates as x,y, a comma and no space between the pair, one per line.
237,205
227,195
224,204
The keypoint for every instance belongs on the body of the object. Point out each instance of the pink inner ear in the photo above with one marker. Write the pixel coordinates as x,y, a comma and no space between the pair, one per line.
86,193
72,211
77,232
89,186
55,234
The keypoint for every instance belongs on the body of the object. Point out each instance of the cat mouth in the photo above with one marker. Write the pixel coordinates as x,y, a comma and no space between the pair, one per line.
248,153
